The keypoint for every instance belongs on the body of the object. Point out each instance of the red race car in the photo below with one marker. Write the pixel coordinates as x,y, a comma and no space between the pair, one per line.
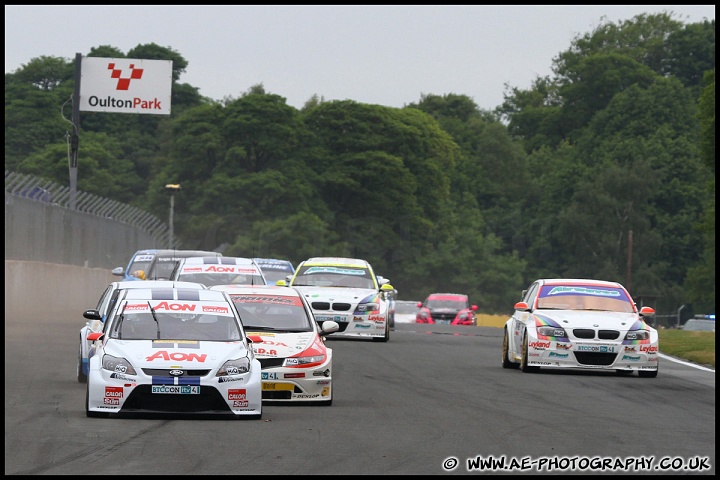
446,308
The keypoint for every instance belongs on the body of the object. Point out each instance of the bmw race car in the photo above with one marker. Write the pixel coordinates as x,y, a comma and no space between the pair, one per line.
448,309
95,317
346,291
173,351
219,271
296,364
574,323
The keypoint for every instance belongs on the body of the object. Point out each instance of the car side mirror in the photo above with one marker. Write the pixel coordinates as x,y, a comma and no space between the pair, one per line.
119,271
329,327
647,311
92,314
474,308
95,336
522,306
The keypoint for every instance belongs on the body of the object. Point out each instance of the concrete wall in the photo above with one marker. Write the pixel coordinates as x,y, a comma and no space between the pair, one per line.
41,231
35,290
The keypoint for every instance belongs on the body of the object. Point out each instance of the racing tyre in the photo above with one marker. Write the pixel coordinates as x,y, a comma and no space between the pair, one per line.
524,360
81,377
648,373
506,363
384,338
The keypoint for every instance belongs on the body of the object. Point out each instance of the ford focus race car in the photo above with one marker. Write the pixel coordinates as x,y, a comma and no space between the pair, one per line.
173,351
573,323
219,271
346,291
96,317
296,364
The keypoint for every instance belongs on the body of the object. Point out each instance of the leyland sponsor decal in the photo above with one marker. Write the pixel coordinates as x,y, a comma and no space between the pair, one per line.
125,85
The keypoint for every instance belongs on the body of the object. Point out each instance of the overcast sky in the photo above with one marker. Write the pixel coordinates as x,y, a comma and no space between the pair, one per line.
378,54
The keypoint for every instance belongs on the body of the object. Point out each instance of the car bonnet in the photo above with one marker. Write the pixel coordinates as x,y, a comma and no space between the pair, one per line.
337,294
282,345
586,319
194,354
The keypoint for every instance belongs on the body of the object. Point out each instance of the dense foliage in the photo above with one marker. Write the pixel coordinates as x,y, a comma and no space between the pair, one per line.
603,170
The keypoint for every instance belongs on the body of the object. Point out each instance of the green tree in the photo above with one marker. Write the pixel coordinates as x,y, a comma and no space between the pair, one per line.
700,278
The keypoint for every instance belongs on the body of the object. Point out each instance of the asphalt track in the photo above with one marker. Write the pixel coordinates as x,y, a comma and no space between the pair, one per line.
409,406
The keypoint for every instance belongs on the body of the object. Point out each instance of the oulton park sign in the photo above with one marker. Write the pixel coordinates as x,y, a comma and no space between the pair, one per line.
125,85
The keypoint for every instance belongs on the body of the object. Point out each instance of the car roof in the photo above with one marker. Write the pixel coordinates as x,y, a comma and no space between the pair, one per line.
258,290
205,260
158,293
579,281
157,283
354,262
275,264
168,252
448,295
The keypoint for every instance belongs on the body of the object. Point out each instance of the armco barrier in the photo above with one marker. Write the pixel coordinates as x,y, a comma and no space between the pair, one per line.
41,231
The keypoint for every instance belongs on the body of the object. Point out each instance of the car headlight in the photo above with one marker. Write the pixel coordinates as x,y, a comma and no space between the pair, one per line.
117,364
548,331
424,314
237,366
303,361
367,307
463,315
637,335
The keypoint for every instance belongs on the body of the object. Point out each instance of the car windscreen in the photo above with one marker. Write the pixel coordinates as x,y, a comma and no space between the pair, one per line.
272,313
575,297
211,279
327,276
175,320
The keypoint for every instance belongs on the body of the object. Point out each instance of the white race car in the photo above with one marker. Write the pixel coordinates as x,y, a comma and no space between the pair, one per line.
95,317
219,271
173,351
575,323
296,363
346,291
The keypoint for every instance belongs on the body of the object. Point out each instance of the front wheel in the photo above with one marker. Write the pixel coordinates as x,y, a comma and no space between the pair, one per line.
506,363
385,337
524,358
88,413
81,376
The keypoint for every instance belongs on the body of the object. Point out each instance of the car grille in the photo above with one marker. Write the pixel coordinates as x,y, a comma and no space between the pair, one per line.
595,358
279,394
443,316
271,362
165,372
208,400
337,306
589,333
